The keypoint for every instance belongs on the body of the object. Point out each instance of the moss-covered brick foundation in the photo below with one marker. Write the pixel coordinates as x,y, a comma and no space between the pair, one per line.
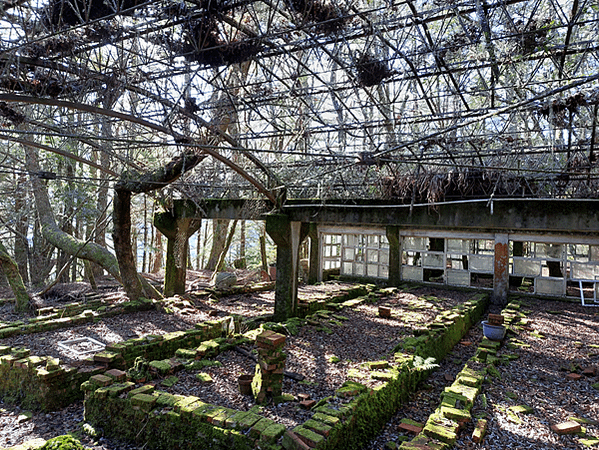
356,413
346,420
155,348
164,421
307,307
43,383
73,314
442,428
40,382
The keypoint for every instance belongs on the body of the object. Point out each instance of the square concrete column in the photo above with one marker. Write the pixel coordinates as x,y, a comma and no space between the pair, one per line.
315,269
177,225
501,271
287,236
394,255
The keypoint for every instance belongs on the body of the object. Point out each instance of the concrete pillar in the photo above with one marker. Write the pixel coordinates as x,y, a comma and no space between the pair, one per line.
287,236
394,255
501,273
315,269
177,225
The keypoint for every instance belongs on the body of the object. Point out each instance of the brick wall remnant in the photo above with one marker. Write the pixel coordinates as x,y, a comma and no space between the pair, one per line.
268,378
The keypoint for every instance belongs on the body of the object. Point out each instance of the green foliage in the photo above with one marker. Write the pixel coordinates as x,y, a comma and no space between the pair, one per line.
421,364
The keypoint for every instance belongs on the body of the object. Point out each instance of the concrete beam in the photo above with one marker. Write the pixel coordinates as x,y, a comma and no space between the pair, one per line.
502,215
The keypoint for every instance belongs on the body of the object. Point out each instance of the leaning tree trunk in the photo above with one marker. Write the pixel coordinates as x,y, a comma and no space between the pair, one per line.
11,270
121,237
141,183
220,265
57,237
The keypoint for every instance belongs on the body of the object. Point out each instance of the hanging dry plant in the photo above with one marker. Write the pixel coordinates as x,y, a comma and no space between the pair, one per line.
64,13
532,35
14,118
327,18
371,71
52,47
204,45
557,111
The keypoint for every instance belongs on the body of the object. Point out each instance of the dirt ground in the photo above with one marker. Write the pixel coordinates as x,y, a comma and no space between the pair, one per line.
324,356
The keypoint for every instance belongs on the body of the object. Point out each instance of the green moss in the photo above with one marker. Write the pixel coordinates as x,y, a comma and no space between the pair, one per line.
204,377
186,353
162,367
202,363
521,409
589,442
170,381
66,442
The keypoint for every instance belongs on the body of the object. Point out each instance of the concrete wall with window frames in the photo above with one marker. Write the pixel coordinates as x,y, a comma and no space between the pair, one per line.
355,251
555,265
458,259
468,259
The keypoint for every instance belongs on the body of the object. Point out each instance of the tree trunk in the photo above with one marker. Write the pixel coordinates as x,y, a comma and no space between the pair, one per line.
121,237
145,253
22,224
157,263
219,238
204,245
41,262
54,234
243,263
102,204
221,258
11,270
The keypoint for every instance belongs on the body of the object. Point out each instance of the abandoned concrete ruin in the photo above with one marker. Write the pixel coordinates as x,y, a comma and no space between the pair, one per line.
444,144
476,243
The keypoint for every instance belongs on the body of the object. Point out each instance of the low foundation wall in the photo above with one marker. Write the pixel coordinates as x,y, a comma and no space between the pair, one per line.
42,382
346,420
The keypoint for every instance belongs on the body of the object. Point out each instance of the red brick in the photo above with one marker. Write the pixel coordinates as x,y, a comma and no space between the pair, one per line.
101,380
568,427
409,428
448,377
270,339
590,371
466,343
479,431
307,404
291,441
385,312
573,376
303,396
496,319
116,374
